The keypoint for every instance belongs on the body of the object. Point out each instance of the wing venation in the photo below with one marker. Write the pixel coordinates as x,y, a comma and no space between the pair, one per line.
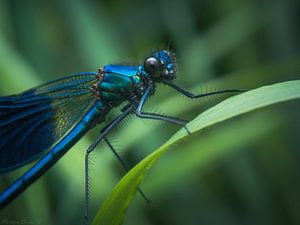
31,122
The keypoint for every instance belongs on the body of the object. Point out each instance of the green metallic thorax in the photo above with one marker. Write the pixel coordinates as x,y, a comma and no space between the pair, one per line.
119,83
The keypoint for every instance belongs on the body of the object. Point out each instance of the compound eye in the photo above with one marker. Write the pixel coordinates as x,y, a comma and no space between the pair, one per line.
152,66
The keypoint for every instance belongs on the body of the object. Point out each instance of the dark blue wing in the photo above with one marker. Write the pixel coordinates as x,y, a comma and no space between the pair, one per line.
34,120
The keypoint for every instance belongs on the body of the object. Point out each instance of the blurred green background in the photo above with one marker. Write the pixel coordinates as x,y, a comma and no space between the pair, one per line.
243,171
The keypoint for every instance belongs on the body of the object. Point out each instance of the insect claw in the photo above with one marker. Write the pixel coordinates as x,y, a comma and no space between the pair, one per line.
187,130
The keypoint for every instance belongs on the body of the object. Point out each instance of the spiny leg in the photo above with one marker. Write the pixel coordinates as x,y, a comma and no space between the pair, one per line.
125,166
192,95
102,135
155,116
166,116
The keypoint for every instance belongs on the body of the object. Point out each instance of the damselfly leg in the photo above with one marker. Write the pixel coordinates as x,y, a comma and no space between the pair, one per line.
192,95
125,166
154,116
102,135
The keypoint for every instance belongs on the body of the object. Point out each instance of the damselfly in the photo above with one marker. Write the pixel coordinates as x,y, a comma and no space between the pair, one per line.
46,121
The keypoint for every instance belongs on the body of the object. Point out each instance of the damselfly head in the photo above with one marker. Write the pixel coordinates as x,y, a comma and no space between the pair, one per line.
160,65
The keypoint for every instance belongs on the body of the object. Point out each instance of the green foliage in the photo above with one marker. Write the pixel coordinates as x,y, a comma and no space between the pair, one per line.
242,171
